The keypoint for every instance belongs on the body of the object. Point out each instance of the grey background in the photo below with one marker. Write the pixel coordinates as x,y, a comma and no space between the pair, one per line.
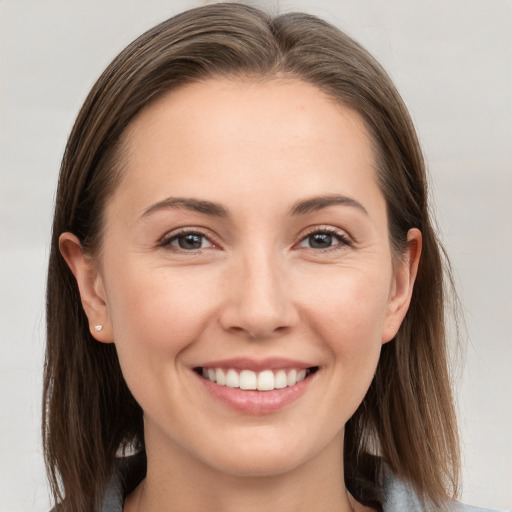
452,62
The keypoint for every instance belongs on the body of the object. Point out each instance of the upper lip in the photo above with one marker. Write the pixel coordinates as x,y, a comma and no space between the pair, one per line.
256,365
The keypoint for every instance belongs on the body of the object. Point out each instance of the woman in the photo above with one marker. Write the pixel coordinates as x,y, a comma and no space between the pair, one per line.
245,289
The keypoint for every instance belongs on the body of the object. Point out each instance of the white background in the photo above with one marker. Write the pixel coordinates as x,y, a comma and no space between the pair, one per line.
451,60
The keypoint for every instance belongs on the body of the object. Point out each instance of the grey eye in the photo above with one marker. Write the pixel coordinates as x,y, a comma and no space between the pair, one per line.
320,240
324,239
190,241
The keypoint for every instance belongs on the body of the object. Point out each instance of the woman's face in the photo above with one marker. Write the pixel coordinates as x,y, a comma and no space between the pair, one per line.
247,244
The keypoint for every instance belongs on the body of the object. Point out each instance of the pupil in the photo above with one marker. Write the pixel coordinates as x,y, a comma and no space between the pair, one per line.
320,240
190,241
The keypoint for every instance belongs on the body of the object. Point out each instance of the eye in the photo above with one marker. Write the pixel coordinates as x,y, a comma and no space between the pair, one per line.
187,241
324,239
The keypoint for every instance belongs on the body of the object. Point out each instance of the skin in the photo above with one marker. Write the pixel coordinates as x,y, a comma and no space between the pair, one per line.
257,288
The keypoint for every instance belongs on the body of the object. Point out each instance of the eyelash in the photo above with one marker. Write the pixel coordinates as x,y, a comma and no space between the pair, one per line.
167,240
343,239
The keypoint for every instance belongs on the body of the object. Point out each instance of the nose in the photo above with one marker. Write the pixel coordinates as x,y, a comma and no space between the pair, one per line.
260,303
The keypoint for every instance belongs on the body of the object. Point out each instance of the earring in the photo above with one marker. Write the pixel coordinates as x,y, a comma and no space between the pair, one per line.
98,327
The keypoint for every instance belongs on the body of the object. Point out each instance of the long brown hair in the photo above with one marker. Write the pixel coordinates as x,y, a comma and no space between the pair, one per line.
407,417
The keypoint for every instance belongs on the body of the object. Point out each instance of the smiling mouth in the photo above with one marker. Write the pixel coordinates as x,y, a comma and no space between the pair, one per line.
266,380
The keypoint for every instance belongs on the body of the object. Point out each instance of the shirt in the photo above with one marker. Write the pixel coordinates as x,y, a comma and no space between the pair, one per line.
398,495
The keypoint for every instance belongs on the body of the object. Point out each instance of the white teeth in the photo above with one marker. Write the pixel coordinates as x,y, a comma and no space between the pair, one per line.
248,379
220,377
232,379
280,380
265,380
291,378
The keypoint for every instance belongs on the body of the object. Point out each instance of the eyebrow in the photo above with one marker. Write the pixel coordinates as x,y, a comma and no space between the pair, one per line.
195,205
217,210
318,203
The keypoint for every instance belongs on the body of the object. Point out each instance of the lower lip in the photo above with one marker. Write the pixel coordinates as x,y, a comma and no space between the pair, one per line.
255,402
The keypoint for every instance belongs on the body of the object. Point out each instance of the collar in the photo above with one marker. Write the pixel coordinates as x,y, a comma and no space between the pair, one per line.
398,496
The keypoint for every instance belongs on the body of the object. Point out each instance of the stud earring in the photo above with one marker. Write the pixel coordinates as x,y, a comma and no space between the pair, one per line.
98,327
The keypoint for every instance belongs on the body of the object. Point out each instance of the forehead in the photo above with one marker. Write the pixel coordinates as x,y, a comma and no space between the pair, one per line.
238,136
247,105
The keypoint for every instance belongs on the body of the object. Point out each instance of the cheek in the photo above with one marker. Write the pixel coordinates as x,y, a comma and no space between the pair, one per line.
157,313
347,313
349,304
156,316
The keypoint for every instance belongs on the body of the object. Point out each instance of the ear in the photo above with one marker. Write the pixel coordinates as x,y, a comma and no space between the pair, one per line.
90,285
402,285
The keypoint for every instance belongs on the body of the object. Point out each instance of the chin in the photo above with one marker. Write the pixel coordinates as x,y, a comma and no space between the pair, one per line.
262,456
257,466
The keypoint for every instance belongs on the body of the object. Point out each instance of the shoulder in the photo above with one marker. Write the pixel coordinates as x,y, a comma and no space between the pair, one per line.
469,508
127,474
398,496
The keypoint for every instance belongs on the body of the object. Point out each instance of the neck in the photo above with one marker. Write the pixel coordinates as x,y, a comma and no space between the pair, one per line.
175,481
